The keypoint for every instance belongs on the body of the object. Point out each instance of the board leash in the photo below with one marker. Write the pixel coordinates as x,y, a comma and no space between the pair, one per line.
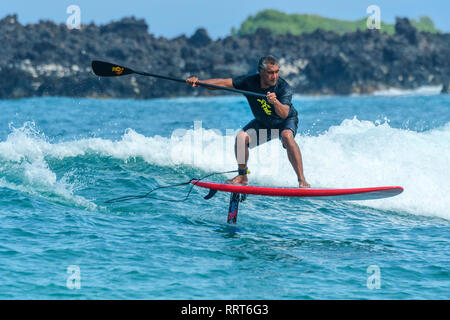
147,195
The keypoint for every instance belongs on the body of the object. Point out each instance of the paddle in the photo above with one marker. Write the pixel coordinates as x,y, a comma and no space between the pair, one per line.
106,69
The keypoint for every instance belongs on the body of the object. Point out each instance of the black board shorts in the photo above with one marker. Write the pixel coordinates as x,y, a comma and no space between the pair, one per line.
260,133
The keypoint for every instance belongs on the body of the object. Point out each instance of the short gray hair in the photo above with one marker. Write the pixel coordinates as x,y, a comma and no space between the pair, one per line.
264,61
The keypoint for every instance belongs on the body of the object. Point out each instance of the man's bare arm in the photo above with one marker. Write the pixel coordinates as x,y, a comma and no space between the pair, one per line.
228,83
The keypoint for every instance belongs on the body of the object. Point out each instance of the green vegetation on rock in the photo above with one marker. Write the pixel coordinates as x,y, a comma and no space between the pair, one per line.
281,23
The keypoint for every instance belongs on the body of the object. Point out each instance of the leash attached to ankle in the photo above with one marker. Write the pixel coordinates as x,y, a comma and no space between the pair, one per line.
243,172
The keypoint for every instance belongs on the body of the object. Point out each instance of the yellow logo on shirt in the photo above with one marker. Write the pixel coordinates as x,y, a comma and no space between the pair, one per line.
265,106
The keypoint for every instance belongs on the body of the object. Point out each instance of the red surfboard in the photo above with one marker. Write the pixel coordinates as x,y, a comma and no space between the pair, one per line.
316,193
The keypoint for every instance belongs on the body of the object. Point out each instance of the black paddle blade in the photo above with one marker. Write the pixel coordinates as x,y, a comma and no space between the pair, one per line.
106,69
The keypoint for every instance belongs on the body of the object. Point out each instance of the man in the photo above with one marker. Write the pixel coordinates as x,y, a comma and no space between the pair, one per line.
274,115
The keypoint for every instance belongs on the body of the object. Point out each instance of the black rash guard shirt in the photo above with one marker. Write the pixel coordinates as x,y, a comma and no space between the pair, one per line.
263,111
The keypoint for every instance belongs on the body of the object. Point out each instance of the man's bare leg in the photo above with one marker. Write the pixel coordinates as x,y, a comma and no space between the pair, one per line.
241,152
295,156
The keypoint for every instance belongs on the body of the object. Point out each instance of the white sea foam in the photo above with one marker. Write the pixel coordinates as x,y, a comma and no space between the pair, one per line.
22,157
421,91
353,154
360,153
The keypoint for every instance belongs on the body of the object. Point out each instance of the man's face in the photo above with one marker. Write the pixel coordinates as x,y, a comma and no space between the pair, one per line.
269,77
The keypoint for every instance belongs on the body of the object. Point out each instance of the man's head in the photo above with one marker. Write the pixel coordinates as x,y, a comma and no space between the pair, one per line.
268,68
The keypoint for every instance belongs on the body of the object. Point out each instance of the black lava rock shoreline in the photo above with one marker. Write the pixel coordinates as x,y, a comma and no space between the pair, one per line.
47,59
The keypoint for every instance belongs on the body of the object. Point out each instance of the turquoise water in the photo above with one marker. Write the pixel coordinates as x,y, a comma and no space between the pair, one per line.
61,158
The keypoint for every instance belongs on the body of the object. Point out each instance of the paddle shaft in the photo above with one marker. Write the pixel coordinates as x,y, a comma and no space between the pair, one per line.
202,84
107,69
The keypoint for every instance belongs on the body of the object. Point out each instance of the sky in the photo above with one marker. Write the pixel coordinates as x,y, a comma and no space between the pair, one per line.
171,18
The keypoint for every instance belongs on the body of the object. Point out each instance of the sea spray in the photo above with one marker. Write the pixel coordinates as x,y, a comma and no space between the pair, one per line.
355,153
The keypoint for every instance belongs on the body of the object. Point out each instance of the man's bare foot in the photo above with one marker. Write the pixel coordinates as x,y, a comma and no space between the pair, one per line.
304,184
240,179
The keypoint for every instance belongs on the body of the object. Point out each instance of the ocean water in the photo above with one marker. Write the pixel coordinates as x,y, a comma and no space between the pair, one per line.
62,158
